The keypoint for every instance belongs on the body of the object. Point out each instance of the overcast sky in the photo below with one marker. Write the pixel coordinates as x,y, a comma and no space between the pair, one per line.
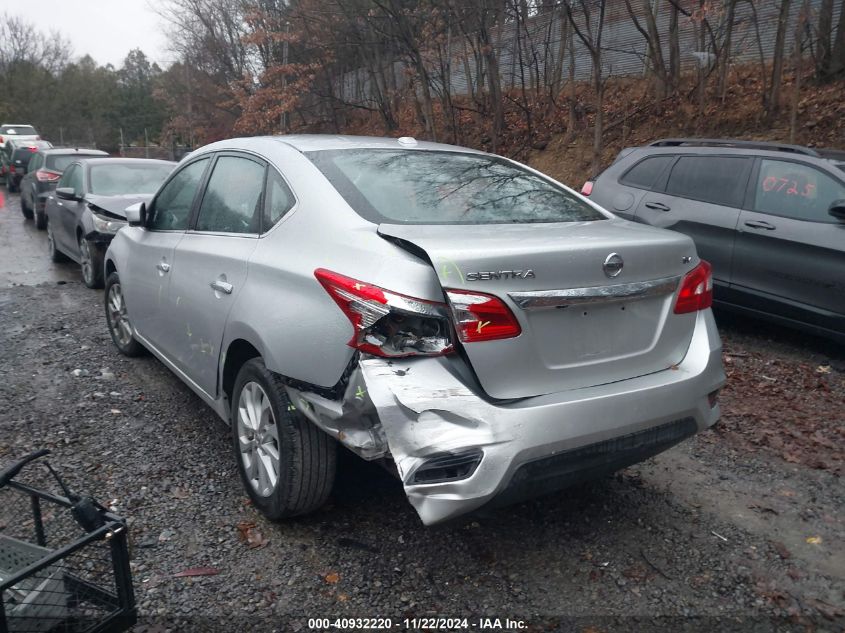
105,29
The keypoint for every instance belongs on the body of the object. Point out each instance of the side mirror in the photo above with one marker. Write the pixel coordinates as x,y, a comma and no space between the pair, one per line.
837,210
66,193
136,214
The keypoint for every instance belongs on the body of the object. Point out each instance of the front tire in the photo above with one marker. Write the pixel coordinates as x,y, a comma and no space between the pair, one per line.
91,261
286,463
56,256
117,318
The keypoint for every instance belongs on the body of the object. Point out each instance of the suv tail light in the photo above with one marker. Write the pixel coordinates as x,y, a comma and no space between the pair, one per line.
696,290
587,189
11,169
387,323
480,317
1,139
45,175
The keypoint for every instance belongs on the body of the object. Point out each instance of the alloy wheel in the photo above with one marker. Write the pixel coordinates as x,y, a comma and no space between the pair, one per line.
118,318
258,439
85,261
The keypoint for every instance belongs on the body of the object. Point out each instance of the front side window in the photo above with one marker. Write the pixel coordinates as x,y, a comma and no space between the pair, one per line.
795,191
645,173
715,179
117,179
428,187
231,203
72,179
172,207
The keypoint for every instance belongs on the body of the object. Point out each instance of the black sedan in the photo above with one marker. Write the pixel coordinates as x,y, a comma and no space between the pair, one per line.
20,153
89,204
43,172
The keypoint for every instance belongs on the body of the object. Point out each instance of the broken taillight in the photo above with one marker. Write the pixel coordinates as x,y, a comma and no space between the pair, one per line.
696,290
480,317
387,323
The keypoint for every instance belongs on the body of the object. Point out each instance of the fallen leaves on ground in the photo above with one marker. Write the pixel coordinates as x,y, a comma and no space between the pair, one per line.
332,578
250,534
197,571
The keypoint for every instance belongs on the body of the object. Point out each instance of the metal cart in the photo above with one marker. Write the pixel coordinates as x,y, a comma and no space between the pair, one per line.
64,561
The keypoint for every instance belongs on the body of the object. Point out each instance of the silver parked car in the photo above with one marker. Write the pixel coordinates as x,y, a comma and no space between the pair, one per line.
476,325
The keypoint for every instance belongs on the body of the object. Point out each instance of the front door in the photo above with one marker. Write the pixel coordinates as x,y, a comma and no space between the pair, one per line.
68,212
212,265
151,260
790,253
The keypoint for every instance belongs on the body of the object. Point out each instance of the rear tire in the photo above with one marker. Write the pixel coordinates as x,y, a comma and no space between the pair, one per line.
287,464
26,209
56,256
117,319
40,216
91,260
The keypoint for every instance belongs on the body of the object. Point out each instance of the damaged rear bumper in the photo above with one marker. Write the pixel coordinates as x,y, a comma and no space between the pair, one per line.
456,451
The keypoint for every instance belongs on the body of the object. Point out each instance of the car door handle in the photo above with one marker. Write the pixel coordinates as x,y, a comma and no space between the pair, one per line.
760,224
657,206
222,286
163,267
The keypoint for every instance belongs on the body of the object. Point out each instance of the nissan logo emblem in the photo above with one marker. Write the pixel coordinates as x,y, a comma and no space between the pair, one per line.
612,265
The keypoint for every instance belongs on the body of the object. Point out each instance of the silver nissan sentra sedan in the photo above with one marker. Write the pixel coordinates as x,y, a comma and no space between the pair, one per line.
483,330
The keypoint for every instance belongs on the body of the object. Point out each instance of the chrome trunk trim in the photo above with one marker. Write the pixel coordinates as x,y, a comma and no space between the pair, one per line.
633,291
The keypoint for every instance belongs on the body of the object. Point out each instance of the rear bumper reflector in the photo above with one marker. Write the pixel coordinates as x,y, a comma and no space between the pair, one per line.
447,467
542,299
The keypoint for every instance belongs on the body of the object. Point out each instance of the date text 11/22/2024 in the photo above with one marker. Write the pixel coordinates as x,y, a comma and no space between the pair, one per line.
416,624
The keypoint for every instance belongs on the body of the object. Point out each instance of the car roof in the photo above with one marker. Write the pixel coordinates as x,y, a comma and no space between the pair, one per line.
744,147
124,161
317,142
52,151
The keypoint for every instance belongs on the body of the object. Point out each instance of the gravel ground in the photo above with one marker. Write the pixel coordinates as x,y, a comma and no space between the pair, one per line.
712,535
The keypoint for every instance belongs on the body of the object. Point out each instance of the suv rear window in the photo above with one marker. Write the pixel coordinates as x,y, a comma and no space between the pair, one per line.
714,179
23,130
60,162
645,173
430,187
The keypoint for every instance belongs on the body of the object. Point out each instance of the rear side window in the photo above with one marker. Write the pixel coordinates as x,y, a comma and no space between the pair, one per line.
231,203
429,187
645,173
714,179
172,206
279,201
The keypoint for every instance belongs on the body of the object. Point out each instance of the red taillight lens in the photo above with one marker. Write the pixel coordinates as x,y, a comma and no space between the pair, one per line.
1,139
45,175
479,317
696,290
11,169
587,189
387,323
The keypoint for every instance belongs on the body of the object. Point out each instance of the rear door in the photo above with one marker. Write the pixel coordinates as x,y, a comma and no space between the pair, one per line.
790,253
211,265
146,280
701,197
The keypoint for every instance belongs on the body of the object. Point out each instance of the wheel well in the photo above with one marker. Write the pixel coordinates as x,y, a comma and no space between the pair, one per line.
110,267
239,352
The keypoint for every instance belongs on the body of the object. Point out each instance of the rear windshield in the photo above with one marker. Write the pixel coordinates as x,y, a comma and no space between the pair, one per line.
18,129
22,156
115,180
428,187
60,162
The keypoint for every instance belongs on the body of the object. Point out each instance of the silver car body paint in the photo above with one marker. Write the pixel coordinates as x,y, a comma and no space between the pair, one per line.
517,399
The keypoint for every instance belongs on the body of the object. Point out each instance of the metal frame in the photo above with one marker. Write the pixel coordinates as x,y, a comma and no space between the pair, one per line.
122,612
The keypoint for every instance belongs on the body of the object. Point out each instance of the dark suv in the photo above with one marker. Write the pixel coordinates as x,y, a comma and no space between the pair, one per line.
770,218
43,172
19,153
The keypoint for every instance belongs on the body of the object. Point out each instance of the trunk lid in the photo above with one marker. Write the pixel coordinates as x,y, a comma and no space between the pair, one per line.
580,327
